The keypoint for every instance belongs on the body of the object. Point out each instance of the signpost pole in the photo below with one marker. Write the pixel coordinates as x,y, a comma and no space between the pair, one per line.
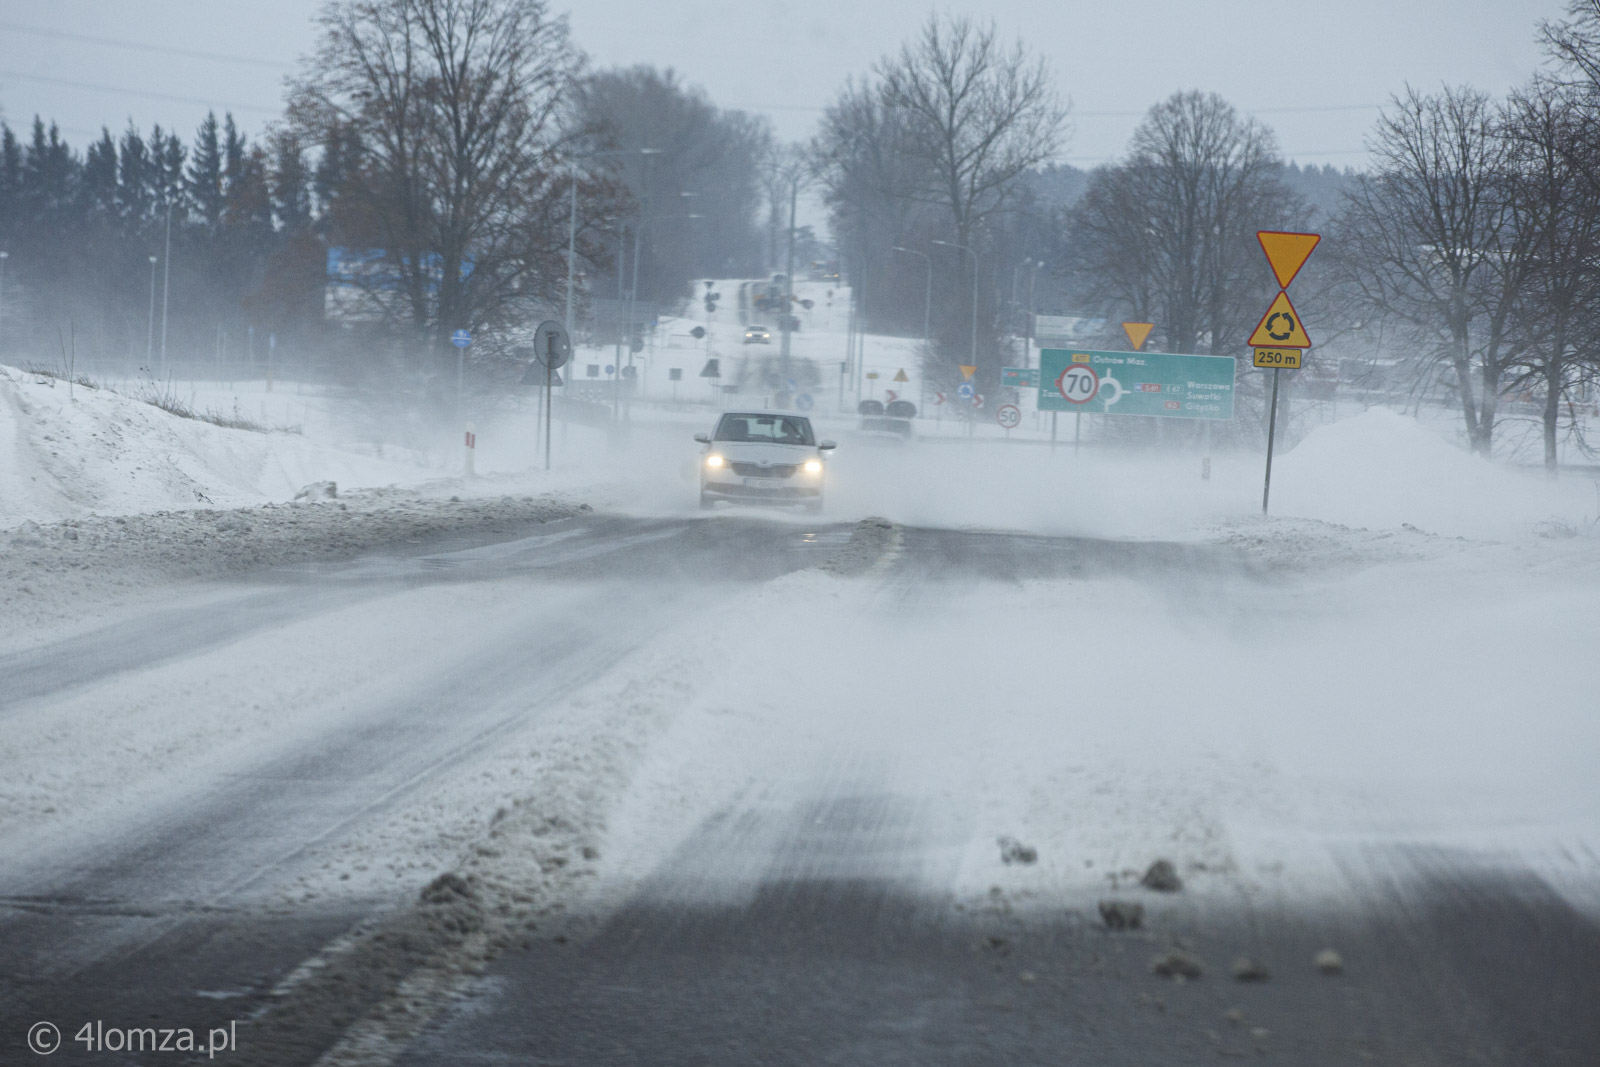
1272,430
1053,415
1077,430
549,414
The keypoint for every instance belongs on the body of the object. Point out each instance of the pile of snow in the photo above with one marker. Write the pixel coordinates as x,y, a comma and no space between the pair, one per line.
70,452
1381,469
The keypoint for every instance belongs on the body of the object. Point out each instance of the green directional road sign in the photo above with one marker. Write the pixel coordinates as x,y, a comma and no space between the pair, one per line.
1136,383
1020,377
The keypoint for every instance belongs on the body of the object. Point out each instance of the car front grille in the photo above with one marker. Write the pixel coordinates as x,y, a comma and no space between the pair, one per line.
756,470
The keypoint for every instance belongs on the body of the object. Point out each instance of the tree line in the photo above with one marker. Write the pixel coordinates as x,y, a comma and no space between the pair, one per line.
432,161
1464,256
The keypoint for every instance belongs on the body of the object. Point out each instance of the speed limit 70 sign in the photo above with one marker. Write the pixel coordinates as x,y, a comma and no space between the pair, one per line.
1078,384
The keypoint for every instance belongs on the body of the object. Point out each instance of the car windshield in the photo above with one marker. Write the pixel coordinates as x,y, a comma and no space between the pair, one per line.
767,429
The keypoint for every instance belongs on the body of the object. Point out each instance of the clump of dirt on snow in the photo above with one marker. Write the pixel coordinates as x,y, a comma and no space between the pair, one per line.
872,543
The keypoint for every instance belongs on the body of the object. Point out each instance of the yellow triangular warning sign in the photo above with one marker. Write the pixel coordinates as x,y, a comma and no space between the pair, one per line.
967,371
900,375
1287,252
1280,327
1137,332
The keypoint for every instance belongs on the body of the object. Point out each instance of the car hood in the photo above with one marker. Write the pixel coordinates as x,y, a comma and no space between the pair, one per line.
762,452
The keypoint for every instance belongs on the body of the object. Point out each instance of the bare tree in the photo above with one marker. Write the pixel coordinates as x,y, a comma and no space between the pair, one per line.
1555,211
979,115
1428,242
451,114
1169,234
666,139
931,146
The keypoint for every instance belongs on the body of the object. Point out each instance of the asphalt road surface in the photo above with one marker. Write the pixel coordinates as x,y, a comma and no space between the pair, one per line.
835,951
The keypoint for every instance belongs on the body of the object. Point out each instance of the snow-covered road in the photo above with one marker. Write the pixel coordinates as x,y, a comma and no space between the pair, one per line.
723,768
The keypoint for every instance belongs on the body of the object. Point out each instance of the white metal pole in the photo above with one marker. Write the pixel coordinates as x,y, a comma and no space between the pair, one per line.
150,329
166,286
3,257
572,248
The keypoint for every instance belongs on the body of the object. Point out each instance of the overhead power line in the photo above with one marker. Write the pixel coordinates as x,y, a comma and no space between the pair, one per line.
123,91
140,46
1246,110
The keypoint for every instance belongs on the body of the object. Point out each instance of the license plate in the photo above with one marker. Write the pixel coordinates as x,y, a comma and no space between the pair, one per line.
765,483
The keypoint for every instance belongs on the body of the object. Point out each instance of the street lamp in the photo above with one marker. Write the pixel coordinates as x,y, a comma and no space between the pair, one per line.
150,330
927,303
1033,277
974,255
3,257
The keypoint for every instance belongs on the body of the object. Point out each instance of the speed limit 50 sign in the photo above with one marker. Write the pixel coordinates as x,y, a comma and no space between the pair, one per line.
1009,416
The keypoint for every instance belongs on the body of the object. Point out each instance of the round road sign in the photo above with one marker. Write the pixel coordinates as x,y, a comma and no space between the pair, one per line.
965,391
1009,416
804,401
1078,384
461,338
551,346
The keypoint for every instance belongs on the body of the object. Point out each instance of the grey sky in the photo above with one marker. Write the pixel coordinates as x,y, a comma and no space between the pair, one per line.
786,59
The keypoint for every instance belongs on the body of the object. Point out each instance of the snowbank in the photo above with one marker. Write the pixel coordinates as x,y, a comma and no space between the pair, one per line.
67,453
1382,469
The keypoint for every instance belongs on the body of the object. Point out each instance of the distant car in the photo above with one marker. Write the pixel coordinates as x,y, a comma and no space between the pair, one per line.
886,429
757,335
763,457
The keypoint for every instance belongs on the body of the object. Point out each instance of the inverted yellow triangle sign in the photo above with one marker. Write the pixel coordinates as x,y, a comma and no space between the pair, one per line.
1137,332
1280,327
1287,252
900,375
967,371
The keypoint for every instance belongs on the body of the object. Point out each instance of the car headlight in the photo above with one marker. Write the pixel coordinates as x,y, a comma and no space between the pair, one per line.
714,460
812,466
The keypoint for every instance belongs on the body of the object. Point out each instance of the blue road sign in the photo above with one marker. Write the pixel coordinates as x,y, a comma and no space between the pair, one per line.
461,338
791,385
610,369
966,391
804,401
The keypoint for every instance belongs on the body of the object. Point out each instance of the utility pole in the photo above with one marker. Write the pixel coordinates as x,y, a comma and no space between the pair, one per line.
788,284
150,326
974,255
927,300
166,287
1033,277
572,249
616,361
3,257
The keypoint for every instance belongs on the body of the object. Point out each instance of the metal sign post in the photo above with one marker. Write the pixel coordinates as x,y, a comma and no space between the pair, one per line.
461,339
1280,338
1272,431
552,347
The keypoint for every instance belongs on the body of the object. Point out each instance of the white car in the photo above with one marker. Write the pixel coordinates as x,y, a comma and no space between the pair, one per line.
769,457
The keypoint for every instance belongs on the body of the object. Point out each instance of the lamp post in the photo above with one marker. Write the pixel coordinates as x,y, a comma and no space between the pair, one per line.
3,257
927,302
1033,277
572,250
150,328
166,286
974,255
